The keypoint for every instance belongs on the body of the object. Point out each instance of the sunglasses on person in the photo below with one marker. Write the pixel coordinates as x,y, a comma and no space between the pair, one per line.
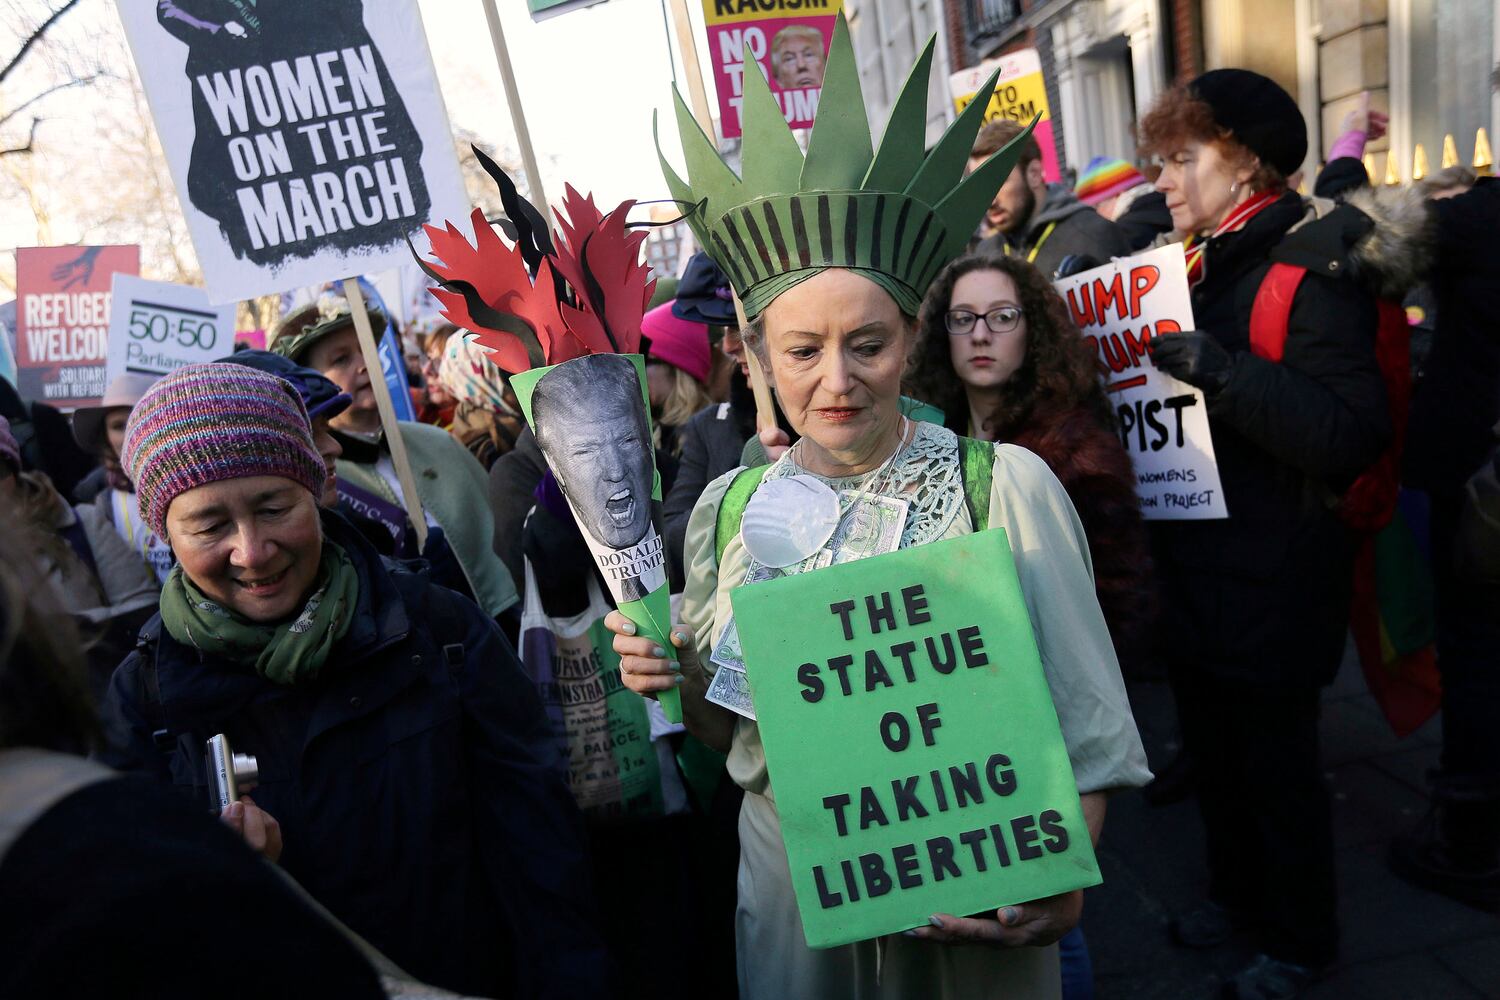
1002,319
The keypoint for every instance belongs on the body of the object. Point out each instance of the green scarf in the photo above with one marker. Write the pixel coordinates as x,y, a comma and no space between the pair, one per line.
285,653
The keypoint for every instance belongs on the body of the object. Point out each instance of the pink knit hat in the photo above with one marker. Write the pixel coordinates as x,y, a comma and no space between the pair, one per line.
678,342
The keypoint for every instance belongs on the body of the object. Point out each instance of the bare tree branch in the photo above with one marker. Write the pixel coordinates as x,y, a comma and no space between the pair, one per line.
30,141
34,37
80,82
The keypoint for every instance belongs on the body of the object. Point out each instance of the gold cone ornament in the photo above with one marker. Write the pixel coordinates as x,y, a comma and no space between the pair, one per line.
1418,163
1450,152
1484,160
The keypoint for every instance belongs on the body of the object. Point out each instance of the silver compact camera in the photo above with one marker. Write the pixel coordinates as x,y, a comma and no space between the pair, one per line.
230,774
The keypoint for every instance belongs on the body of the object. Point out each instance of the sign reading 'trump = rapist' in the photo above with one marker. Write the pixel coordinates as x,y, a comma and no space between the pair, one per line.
911,739
1163,421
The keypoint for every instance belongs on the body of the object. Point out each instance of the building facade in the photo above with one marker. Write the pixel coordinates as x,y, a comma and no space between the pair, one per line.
887,36
1103,60
1430,64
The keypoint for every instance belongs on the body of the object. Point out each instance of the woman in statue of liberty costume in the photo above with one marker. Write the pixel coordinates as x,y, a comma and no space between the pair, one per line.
830,257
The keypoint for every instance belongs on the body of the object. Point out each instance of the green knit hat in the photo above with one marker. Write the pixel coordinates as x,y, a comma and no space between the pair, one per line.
299,330
895,215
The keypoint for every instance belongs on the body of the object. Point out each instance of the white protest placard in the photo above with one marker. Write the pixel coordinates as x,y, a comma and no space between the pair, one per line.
156,327
1163,422
306,140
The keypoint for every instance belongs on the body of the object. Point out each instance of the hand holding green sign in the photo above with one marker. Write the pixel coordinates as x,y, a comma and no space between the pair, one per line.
911,740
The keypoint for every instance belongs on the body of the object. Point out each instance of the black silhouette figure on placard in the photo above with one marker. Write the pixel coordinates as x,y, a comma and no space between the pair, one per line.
301,140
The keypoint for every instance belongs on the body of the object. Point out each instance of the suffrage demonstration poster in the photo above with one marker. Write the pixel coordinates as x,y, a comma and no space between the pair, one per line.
62,320
156,327
1020,95
307,138
789,40
1163,422
603,729
918,763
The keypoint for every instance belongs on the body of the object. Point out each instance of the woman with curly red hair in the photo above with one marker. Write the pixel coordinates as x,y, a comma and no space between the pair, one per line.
999,353
1255,605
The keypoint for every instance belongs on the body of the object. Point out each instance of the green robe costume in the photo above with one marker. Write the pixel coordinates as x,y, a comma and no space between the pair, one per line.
1056,575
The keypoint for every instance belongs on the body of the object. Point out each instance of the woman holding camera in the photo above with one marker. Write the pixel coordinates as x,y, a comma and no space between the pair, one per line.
401,751
81,845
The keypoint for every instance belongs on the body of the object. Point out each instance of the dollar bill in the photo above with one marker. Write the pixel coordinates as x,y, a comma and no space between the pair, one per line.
731,689
726,652
871,526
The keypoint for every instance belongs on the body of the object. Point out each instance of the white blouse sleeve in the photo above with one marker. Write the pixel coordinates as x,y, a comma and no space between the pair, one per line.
1057,578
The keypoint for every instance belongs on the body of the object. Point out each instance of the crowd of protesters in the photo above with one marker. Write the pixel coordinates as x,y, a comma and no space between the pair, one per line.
413,768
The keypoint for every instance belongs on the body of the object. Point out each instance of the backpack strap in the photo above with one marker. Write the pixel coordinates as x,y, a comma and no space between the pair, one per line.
78,540
1271,313
732,509
977,458
439,616
148,690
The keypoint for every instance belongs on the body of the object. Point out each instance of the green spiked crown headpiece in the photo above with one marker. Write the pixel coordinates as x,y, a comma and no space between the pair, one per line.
895,215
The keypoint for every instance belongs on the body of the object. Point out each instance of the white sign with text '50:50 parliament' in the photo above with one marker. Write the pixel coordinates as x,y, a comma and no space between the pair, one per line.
156,327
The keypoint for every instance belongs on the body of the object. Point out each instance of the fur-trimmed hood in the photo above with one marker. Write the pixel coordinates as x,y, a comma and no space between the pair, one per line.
1383,235
1398,249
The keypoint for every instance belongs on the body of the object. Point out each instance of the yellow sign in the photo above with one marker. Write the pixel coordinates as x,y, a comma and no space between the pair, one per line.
1019,100
746,11
1020,94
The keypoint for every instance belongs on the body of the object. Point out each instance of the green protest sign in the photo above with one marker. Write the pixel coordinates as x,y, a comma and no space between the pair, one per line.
592,420
911,739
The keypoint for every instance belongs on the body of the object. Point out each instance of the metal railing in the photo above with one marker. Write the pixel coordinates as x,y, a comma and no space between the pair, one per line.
986,19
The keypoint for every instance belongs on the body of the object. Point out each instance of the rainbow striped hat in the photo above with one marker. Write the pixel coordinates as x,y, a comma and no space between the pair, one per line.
1106,178
203,424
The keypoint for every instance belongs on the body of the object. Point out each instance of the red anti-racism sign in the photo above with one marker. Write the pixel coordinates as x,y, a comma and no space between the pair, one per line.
62,320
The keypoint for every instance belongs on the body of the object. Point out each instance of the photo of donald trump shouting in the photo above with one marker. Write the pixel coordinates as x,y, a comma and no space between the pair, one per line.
591,424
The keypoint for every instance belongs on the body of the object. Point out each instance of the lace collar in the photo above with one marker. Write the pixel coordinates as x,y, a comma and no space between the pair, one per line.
927,474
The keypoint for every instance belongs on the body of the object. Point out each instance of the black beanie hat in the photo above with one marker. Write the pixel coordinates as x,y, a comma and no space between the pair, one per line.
1262,116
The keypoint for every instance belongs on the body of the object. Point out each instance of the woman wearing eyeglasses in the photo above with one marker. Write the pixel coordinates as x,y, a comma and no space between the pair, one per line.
998,351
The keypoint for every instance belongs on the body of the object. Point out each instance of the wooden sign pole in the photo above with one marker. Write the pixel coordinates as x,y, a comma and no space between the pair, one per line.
517,114
371,351
687,46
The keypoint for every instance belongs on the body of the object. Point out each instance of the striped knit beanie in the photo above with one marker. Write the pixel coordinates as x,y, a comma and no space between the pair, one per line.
1104,178
206,423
